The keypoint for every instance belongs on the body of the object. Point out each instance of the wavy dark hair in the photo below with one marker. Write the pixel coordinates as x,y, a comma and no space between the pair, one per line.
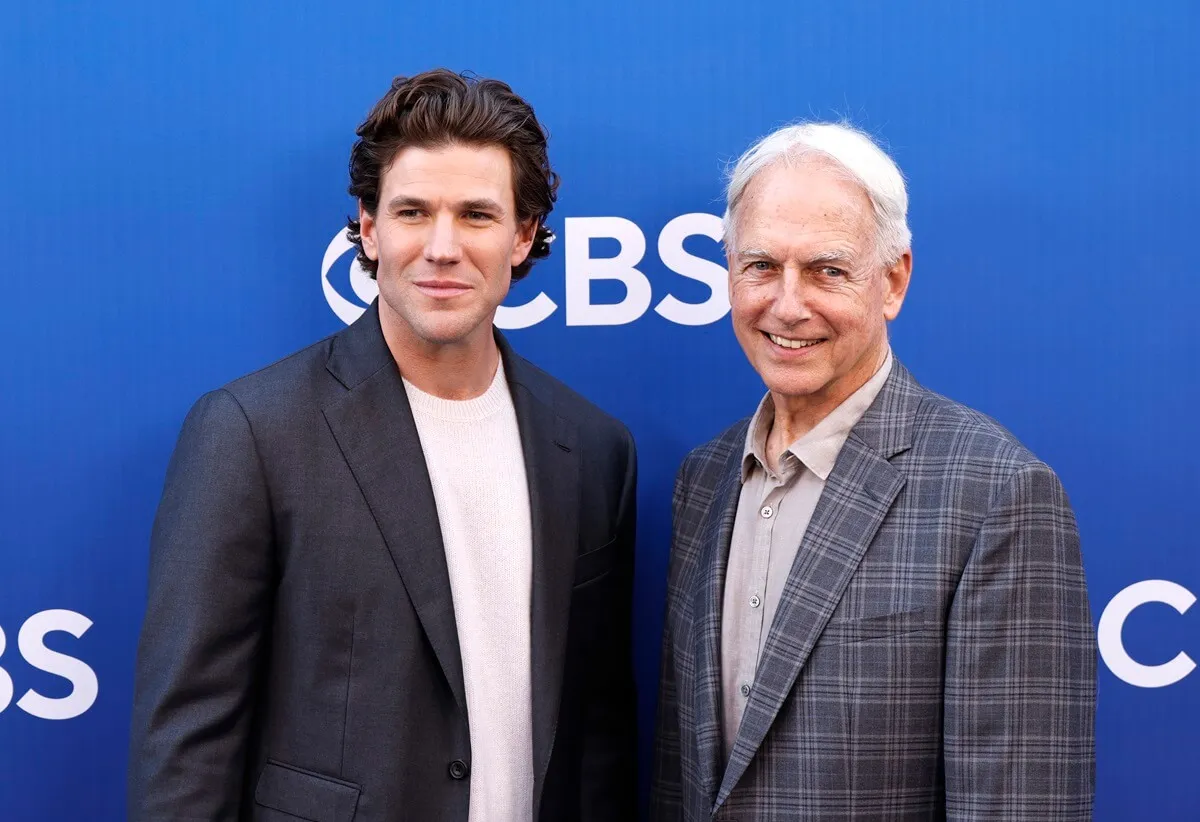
441,108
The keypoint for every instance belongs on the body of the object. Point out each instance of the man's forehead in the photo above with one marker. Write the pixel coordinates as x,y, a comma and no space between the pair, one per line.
457,166
804,200
804,187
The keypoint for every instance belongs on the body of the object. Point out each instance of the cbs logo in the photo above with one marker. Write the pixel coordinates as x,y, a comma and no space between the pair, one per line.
32,646
581,270
1112,646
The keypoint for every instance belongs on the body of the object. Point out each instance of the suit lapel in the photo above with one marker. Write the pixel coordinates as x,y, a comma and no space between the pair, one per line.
550,445
374,428
852,506
856,498
707,609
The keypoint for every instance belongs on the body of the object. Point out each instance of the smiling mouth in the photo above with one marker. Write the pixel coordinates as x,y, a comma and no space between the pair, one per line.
442,288
785,342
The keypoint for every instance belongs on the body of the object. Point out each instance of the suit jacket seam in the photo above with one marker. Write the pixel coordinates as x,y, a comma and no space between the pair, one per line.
262,467
1005,489
346,699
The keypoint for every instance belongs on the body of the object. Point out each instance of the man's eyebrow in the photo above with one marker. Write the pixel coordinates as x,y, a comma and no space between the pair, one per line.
836,255
403,201
481,204
831,256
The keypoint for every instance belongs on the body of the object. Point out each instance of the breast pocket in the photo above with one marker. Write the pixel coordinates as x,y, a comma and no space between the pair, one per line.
293,793
596,563
861,629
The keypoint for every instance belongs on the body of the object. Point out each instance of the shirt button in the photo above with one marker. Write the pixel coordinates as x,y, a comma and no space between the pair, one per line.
755,601
745,689
767,512
458,769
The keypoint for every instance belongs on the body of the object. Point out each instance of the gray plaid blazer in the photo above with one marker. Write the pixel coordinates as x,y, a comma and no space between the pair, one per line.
932,657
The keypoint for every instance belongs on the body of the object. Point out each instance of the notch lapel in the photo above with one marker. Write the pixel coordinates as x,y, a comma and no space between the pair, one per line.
551,448
373,426
857,497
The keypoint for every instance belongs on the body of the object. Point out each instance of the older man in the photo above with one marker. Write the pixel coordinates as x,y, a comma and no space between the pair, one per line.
876,606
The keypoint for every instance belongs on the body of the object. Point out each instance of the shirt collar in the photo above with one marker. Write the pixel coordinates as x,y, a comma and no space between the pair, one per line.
818,449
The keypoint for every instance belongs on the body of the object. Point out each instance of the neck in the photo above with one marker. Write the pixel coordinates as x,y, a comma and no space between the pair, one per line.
452,371
789,425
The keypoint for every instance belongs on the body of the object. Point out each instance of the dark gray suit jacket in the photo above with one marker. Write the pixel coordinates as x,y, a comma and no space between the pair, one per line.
932,655
299,657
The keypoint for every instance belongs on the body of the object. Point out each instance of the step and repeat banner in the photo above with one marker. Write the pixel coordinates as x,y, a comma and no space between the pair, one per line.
172,194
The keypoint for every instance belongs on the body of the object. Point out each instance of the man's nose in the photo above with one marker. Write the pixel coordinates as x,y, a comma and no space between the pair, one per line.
791,301
442,244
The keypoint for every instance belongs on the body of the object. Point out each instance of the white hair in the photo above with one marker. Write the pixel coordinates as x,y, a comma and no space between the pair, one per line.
854,153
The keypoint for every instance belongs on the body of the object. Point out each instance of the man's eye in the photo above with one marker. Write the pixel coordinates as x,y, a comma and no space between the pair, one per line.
408,214
760,265
478,216
832,271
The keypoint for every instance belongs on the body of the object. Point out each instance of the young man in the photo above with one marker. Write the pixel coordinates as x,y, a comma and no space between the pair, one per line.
391,574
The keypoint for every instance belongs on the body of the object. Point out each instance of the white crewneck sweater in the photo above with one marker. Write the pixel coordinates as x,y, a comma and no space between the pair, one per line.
477,467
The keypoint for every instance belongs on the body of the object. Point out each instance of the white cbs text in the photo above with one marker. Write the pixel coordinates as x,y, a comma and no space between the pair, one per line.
31,644
1112,645
581,270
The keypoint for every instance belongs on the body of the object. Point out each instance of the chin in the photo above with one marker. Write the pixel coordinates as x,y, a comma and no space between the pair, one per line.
448,331
790,386
796,392
442,337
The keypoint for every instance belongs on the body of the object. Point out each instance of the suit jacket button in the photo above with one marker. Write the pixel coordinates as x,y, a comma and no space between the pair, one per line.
458,769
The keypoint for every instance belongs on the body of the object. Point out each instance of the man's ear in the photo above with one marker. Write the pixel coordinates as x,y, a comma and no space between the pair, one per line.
895,284
366,231
526,231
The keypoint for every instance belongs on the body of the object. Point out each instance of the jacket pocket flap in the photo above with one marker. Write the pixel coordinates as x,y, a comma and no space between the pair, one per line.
306,794
595,563
841,631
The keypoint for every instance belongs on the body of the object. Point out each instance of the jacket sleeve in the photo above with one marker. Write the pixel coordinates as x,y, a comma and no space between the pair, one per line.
1021,664
210,593
666,789
609,755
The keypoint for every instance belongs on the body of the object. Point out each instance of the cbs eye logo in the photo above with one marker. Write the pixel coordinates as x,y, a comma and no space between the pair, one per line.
581,269
31,643
364,288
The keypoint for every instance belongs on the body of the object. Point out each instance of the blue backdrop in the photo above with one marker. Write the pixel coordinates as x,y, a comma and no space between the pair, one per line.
172,176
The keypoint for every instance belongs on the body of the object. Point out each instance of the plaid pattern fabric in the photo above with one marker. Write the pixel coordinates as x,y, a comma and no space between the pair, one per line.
932,657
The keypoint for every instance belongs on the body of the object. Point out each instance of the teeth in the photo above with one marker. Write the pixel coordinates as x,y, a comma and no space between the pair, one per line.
786,343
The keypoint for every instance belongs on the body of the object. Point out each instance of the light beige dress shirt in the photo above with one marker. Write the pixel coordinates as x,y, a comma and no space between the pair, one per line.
773,513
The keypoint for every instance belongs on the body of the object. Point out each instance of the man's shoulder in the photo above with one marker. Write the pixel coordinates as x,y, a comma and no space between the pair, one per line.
289,383
705,463
569,403
946,428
